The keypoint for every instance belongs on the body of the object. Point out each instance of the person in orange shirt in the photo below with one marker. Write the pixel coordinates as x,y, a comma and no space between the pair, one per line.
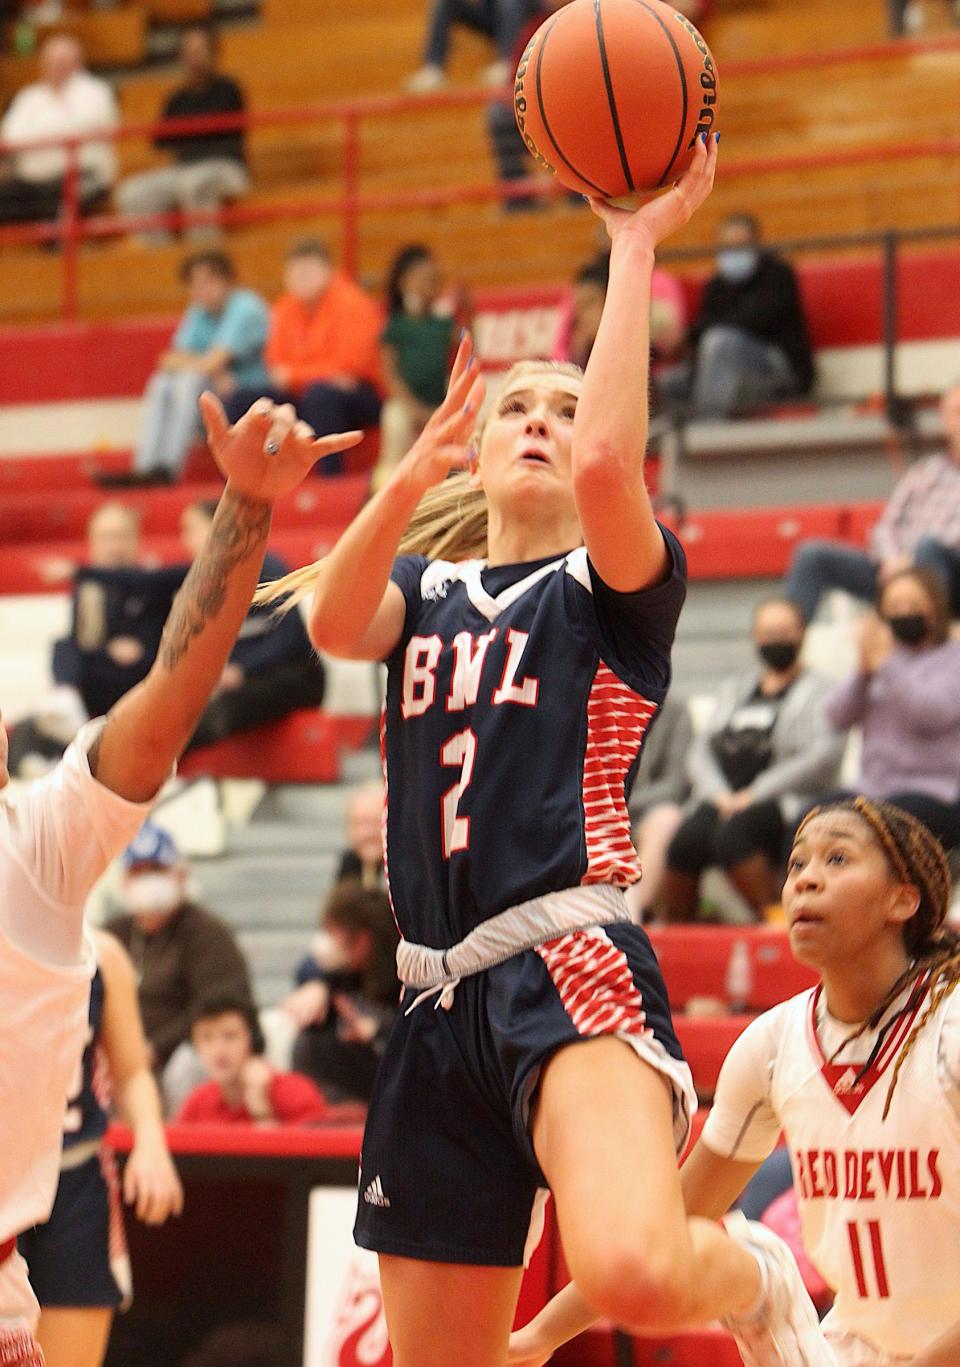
323,349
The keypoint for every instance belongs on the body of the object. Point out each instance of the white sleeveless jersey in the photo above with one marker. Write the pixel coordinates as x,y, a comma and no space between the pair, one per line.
56,838
879,1199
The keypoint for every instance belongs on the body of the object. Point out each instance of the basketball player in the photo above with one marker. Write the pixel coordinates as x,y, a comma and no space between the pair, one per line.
58,835
78,1263
519,690
862,1075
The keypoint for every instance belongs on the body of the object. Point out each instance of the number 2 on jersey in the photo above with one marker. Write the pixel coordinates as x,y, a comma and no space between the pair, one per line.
873,1245
459,752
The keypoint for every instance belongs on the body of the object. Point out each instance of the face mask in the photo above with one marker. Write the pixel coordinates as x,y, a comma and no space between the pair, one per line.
737,263
329,953
779,654
909,629
152,894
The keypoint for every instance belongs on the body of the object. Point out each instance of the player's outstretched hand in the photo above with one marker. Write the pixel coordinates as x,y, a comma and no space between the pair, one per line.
443,445
667,212
268,452
151,1184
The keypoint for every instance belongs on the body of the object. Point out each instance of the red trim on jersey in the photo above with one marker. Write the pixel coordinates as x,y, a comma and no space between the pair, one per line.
7,1249
617,720
595,984
840,1077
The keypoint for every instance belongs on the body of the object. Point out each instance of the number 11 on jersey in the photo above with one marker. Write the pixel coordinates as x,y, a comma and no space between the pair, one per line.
873,1248
459,752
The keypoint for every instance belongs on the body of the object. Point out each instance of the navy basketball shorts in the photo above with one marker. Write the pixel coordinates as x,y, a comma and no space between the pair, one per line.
448,1172
69,1256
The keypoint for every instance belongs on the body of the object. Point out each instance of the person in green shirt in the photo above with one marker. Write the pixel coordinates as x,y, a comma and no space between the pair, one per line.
416,346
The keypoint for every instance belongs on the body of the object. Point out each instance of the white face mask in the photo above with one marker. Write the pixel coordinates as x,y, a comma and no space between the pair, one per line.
152,894
329,953
737,263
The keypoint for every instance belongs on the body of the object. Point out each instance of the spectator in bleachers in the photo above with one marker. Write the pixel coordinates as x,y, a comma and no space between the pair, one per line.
363,856
218,345
766,753
181,952
921,521
272,670
656,801
415,349
580,314
323,349
347,992
750,339
208,169
66,102
905,695
242,1088
499,20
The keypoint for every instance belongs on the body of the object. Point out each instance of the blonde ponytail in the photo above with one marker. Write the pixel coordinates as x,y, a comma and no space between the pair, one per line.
450,521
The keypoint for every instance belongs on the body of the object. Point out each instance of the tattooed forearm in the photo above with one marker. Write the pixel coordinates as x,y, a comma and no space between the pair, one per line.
239,529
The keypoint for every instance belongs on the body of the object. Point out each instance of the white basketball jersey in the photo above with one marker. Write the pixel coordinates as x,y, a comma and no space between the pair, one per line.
879,1199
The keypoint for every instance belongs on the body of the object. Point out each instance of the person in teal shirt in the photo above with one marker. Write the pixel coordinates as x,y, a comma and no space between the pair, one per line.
416,347
218,345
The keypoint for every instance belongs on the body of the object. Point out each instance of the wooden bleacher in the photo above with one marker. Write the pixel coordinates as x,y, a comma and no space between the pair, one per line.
898,94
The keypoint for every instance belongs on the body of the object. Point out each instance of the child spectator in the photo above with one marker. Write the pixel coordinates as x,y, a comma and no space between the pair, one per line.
209,168
347,992
272,671
415,349
242,1087
323,349
218,345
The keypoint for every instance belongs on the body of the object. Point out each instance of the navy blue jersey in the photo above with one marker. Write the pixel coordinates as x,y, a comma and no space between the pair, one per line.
517,701
86,1116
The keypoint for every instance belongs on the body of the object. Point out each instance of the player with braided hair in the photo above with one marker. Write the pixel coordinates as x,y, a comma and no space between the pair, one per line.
862,1076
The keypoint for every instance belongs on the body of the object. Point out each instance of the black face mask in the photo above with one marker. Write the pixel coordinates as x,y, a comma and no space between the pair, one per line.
910,628
779,655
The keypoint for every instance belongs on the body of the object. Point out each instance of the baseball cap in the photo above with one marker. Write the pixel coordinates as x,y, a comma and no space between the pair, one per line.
151,845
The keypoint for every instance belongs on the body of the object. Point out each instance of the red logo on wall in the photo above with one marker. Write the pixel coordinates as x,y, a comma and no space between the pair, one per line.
359,1334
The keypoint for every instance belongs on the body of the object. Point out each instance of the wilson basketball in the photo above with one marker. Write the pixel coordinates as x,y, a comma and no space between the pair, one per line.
612,94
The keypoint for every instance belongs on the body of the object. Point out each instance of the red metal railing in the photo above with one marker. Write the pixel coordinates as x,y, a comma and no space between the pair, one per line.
73,228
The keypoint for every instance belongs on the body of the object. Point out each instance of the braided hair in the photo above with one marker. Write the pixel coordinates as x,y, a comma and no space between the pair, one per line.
915,856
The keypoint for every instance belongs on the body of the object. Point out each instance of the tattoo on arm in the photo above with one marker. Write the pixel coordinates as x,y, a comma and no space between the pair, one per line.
240,527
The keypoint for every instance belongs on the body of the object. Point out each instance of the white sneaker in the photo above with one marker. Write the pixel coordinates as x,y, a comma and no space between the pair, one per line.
425,80
497,74
785,1330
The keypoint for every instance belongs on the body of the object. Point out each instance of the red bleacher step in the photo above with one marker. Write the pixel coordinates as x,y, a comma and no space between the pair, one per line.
694,961
301,748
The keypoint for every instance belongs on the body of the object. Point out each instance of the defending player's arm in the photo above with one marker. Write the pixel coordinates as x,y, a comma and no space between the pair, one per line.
610,431
150,1180
150,726
356,612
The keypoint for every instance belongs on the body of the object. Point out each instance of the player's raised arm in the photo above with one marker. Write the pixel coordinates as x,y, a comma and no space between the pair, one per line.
610,431
264,456
355,611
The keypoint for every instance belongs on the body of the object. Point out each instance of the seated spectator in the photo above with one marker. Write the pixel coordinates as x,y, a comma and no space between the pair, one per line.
347,993
766,753
272,670
218,345
66,102
208,169
415,349
905,695
242,1087
920,524
580,314
750,338
363,857
501,20
323,350
181,952
656,801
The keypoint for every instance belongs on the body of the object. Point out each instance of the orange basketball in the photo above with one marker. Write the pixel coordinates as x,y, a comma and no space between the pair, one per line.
612,94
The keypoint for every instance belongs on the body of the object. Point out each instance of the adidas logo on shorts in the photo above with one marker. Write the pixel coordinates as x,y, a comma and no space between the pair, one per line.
374,1194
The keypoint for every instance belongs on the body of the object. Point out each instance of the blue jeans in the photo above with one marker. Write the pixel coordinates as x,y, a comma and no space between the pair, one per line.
736,373
817,566
500,20
944,562
170,422
326,407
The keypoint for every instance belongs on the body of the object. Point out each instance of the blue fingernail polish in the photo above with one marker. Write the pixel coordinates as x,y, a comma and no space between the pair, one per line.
470,362
463,333
703,138
716,137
